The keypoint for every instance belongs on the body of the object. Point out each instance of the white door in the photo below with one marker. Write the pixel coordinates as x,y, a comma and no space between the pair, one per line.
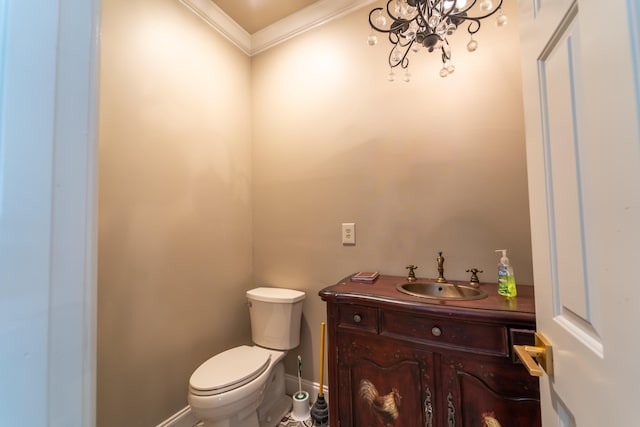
48,52
580,82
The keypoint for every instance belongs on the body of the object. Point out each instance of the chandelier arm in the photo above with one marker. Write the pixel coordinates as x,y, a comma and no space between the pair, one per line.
477,23
445,57
403,62
391,64
456,12
448,14
409,41
396,39
468,7
374,26
437,6
472,29
478,18
389,11
396,19
421,12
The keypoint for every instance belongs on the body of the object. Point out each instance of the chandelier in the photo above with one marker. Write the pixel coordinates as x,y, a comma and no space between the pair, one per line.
414,25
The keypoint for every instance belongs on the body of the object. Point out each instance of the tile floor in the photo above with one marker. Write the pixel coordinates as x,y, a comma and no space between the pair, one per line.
286,422
290,422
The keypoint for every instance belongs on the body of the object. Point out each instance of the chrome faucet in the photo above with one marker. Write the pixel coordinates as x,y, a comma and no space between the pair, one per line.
440,261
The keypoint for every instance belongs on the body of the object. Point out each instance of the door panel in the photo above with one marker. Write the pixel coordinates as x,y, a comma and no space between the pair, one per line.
386,395
560,70
386,384
481,389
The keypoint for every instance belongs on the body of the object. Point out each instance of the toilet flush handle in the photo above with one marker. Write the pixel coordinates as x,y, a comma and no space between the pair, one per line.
248,304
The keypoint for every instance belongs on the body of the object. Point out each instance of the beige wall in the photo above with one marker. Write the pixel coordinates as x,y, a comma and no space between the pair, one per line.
214,166
175,206
436,164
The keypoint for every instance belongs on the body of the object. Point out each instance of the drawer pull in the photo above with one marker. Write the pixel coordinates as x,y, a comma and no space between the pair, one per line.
451,411
428,409
436,331
357,318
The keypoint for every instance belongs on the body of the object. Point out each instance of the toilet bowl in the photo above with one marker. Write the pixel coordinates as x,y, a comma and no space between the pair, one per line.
245,386
236,405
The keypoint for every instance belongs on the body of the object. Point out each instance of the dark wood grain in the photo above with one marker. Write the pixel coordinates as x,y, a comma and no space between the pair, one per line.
400,360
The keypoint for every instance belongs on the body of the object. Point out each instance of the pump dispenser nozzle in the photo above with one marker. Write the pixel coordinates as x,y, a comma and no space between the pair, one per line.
503,260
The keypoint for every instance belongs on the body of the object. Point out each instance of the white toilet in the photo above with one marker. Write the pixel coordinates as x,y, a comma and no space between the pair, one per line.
244,386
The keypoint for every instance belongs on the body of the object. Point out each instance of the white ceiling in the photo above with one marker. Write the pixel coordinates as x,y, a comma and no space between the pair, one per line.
256,25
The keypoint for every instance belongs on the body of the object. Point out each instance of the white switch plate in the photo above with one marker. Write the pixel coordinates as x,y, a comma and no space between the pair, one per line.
348,233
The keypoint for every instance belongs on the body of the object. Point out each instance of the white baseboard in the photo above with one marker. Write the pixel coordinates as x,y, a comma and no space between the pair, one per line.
291,386
184,417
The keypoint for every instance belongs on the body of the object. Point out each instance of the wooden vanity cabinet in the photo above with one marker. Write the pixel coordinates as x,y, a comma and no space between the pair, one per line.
398,360
378,380
481,388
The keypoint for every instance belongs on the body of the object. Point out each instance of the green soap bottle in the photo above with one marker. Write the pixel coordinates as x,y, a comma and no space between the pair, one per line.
506,279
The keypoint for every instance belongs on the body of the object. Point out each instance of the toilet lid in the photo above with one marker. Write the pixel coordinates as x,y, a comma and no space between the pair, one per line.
229,370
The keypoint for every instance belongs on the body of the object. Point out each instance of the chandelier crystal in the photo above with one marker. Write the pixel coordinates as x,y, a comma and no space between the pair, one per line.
415,25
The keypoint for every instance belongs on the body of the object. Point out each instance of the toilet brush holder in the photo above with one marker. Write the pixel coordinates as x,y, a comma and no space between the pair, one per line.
300,406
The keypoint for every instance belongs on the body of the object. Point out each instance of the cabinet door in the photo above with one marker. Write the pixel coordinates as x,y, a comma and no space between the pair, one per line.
383,383
480,392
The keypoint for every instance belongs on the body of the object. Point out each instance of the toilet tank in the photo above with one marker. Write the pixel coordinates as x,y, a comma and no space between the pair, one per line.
275,314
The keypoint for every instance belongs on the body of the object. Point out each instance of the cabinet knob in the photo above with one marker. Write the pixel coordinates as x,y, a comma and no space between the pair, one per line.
357,318
436,331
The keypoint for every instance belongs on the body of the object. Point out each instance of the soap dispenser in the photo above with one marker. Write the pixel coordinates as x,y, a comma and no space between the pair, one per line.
506,279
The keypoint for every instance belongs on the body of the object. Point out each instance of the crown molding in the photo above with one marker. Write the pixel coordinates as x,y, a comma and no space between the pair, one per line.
304,20
221,22
297,23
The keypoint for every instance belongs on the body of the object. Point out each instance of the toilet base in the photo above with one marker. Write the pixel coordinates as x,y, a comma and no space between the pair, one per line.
278,411
276,404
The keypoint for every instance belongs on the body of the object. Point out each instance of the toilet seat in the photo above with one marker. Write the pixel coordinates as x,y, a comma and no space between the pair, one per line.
229,370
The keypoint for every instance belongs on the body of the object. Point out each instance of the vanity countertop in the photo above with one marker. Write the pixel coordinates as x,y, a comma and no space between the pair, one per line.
383,293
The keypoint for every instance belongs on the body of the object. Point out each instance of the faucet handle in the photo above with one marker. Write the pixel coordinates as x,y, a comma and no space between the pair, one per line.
412,275
474,281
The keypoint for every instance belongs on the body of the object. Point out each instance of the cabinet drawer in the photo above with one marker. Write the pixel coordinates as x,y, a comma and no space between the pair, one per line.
358,317
489,339
520,337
